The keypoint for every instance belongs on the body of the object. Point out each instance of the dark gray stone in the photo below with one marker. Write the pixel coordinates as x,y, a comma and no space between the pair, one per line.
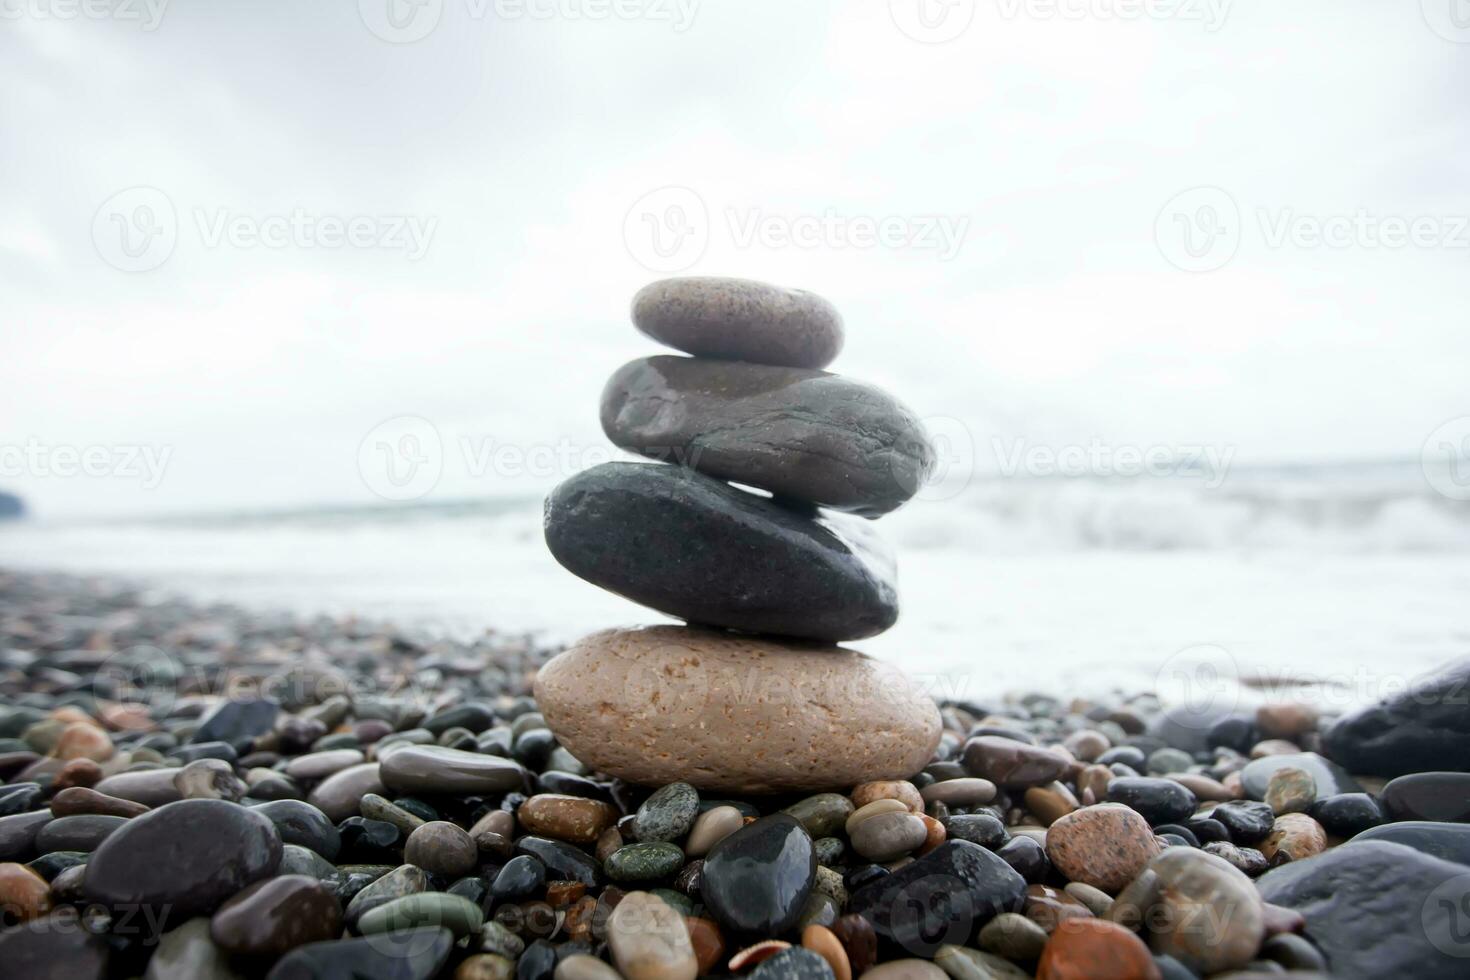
803,435
408,954
740,319
699,549
235,721
1378,910
1424,728
1447,841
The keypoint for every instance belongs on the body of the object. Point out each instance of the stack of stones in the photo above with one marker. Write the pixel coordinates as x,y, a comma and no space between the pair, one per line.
751,696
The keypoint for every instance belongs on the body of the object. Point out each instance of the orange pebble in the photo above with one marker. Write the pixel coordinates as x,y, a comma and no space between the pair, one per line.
1095,949
888,789
821,940
24,895
936,835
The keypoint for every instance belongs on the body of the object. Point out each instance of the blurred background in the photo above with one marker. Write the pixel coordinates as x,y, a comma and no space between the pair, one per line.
307,305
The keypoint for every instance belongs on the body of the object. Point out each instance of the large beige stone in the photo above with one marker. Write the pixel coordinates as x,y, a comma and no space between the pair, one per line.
734,713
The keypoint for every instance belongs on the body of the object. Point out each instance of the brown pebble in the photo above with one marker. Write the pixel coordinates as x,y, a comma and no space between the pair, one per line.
442,848
1094,780
560,894
708,942
1050,803
1087,744
1273,746
1106,845
608,841
888,789
77,772
1294,836
24,895
569,818
1203,787
1007,762
1048,907
1094,949
935,837
858,940
822,941
1287,721
77,800
578,922
84,740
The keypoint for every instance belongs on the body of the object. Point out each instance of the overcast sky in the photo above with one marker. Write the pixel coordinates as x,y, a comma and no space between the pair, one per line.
241,235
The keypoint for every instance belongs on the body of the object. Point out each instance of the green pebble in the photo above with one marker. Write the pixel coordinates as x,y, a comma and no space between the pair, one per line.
679,903
822,815
644,861
667,814
339,740
457,914
829,850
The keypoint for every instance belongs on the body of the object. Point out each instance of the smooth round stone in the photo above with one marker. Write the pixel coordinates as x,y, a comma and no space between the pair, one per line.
457,914
583,967
1168,760
24,894
538,962
667,814
150,787
1294,953
441,848
1290,790
274,916
320,765
757,880
1347,815
740,320
298,822
56,947
649,940
1247,860
823,815
798,963
1442,796
869,810
339,795
1048,906
1106,846
435,769
644,861
1092,949
1013,936
563,861
711,827
403,880
1159,800
965,791
1293,837
236,721
375,807
188,856
803,435
723,556
1196,891
1330,778
1447,841
888,836
409,954
488,966
521,876
1007,762
708,942
187,953
984,829
79,800
653,706
569,818
963,963
940,897
82,833
1050,803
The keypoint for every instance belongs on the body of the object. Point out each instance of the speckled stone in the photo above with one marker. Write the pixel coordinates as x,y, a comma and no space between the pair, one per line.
1007,762
1106,845
1290,790
741,320
801,434
644,861
823,814
723,556
667,814
795,963
442,848
1293,837
271,917
651,706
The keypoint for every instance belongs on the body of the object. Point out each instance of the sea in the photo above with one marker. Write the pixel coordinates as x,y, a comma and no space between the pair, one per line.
1337,583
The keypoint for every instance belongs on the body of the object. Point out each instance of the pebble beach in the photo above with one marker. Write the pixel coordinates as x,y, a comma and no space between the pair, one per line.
191,790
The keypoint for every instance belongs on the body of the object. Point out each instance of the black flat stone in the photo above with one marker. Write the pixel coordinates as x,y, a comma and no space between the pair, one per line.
1027,858
757,880
942,897
298,822
19,798
563,861
1236,732
801,434
236,721
1422,729
1248,821
693,547
83,832
409,954
984,829
55,947
1347,814
570,784
538,962
1443,796
185,857
1160,801
1447,841
522,876
1379,910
